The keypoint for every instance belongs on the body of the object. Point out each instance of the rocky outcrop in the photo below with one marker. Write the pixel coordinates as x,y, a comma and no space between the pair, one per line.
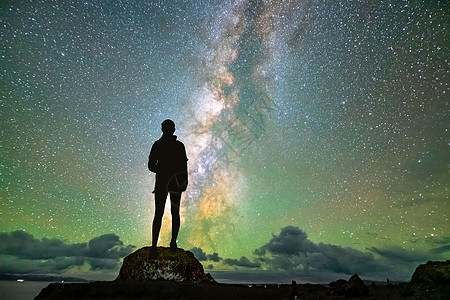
354,287
178,265
433,272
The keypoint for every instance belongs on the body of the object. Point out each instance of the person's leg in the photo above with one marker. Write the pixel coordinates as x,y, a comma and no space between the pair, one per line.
160,203
175,211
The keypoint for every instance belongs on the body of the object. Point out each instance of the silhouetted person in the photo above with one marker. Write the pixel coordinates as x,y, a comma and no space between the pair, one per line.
169,161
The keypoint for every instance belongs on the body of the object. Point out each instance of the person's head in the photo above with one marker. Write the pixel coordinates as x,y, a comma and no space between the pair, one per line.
168,127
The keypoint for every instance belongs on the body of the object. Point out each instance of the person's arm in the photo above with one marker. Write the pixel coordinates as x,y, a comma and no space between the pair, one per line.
153,160
185,170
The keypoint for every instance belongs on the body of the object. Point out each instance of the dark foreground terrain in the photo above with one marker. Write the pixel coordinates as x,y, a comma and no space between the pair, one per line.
177,274
175,290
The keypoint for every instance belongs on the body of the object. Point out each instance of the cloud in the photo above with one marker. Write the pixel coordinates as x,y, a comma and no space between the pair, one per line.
291,240
24,245
440,250
291,250
199,254
242,262
107,246
202,256
22,253
214,257
400,254
291,254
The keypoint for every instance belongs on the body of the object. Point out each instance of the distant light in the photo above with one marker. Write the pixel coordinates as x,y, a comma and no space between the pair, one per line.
19,280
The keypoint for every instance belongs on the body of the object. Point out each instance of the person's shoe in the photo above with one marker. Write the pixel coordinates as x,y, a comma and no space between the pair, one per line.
173,246
153,252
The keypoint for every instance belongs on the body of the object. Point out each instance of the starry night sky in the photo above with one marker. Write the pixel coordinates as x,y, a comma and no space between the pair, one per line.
314,125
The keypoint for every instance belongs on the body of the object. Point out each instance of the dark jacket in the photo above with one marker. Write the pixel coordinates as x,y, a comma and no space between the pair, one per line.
169,161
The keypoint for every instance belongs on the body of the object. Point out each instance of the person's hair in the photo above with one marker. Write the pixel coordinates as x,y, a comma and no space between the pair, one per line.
168,126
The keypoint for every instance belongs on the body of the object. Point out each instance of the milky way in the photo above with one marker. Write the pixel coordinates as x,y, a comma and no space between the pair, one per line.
331,116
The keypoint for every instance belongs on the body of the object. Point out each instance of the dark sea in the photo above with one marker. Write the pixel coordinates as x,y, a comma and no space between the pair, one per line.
27,290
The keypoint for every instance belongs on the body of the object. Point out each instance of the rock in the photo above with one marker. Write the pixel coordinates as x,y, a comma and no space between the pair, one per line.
433,272
337,287
178,265
354,287
356,284
293,295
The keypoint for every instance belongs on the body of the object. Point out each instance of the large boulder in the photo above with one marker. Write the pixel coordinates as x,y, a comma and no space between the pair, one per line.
354,287
174,265
433,272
